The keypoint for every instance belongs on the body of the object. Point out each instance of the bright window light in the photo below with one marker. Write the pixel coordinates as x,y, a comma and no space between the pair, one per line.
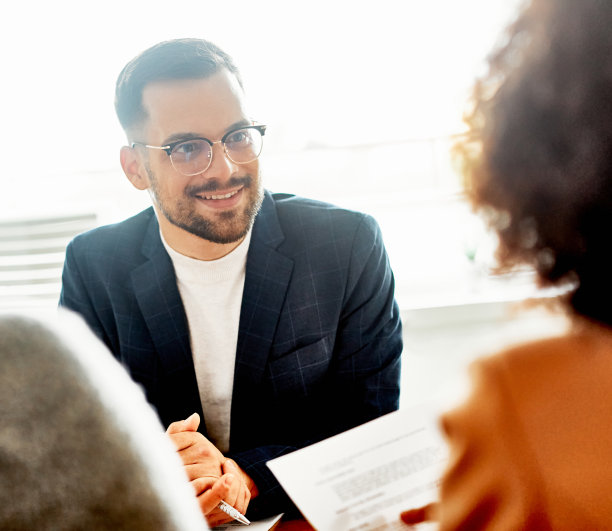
361,100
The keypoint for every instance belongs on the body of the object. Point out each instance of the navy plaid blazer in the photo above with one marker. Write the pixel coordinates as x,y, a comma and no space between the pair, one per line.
319,339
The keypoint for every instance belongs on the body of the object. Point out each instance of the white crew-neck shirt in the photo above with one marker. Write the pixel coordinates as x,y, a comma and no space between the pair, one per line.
212,296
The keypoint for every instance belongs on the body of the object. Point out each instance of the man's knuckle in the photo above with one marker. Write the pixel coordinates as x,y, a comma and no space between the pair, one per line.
203,451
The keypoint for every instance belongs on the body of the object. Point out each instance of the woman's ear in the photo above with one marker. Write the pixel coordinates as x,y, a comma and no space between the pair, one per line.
134,168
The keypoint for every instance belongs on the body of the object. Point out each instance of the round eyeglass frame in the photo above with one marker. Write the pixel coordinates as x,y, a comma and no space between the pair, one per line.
169,148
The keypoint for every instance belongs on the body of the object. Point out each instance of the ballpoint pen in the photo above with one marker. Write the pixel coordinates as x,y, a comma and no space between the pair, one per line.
234,513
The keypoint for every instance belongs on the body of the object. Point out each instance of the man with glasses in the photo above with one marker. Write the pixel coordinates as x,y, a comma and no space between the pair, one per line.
270,316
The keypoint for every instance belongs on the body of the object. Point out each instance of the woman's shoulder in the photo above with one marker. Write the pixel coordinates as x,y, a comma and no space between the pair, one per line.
531,407
538,387
586,348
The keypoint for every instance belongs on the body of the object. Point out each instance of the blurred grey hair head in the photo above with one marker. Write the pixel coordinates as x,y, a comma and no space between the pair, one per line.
80,448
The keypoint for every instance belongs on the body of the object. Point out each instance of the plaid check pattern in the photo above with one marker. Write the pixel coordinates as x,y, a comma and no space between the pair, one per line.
319,340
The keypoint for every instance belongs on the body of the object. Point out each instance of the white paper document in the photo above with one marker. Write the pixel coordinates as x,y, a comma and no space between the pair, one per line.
258,525
364,478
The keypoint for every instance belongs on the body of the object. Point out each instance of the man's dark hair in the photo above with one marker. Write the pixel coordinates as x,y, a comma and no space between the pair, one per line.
167,60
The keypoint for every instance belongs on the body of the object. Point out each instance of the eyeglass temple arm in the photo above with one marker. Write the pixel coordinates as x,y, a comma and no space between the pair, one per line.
167,149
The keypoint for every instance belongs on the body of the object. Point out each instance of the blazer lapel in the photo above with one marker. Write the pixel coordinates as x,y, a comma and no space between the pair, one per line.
154,284
159,300
267,277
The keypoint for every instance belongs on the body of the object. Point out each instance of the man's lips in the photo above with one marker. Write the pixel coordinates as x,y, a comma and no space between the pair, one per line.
218,195
220,198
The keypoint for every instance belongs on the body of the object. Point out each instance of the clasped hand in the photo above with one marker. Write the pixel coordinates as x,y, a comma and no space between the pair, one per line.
213,476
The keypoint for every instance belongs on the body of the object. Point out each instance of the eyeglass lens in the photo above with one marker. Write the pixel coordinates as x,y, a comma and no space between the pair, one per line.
194,156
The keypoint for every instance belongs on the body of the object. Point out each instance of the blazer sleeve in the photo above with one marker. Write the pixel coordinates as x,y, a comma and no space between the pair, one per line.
365,370
492,480
369,338
74,294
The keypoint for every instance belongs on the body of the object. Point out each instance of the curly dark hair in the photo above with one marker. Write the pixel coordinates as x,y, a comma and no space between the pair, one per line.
537,160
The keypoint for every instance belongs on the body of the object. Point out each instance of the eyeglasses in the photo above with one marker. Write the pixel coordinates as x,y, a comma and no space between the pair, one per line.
194,156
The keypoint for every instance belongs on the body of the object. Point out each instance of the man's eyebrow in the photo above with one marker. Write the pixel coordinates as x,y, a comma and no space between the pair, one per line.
240,123
177,137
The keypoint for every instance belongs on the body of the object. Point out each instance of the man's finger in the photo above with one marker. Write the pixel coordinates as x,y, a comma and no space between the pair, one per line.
202,483
244,495
184,439
202,471
195,448
210,498
189,424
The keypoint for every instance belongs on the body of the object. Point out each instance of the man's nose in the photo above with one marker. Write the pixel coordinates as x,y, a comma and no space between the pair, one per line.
221,166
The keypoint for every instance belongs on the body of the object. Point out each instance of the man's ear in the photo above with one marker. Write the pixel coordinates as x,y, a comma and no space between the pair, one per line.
133,168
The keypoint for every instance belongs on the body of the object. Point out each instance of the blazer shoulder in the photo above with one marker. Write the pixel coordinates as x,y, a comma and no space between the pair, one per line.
285,202
127,232
301,214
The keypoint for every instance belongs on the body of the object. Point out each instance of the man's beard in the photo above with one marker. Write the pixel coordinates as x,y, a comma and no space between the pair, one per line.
229,227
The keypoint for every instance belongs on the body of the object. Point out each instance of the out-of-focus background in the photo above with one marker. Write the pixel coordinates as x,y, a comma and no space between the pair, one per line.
363,101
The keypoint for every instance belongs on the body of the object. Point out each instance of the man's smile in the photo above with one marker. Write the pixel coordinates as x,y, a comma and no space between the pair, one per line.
219,196
220,199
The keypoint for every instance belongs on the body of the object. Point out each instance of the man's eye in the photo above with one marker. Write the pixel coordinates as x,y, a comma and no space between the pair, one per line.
189,148
239,137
